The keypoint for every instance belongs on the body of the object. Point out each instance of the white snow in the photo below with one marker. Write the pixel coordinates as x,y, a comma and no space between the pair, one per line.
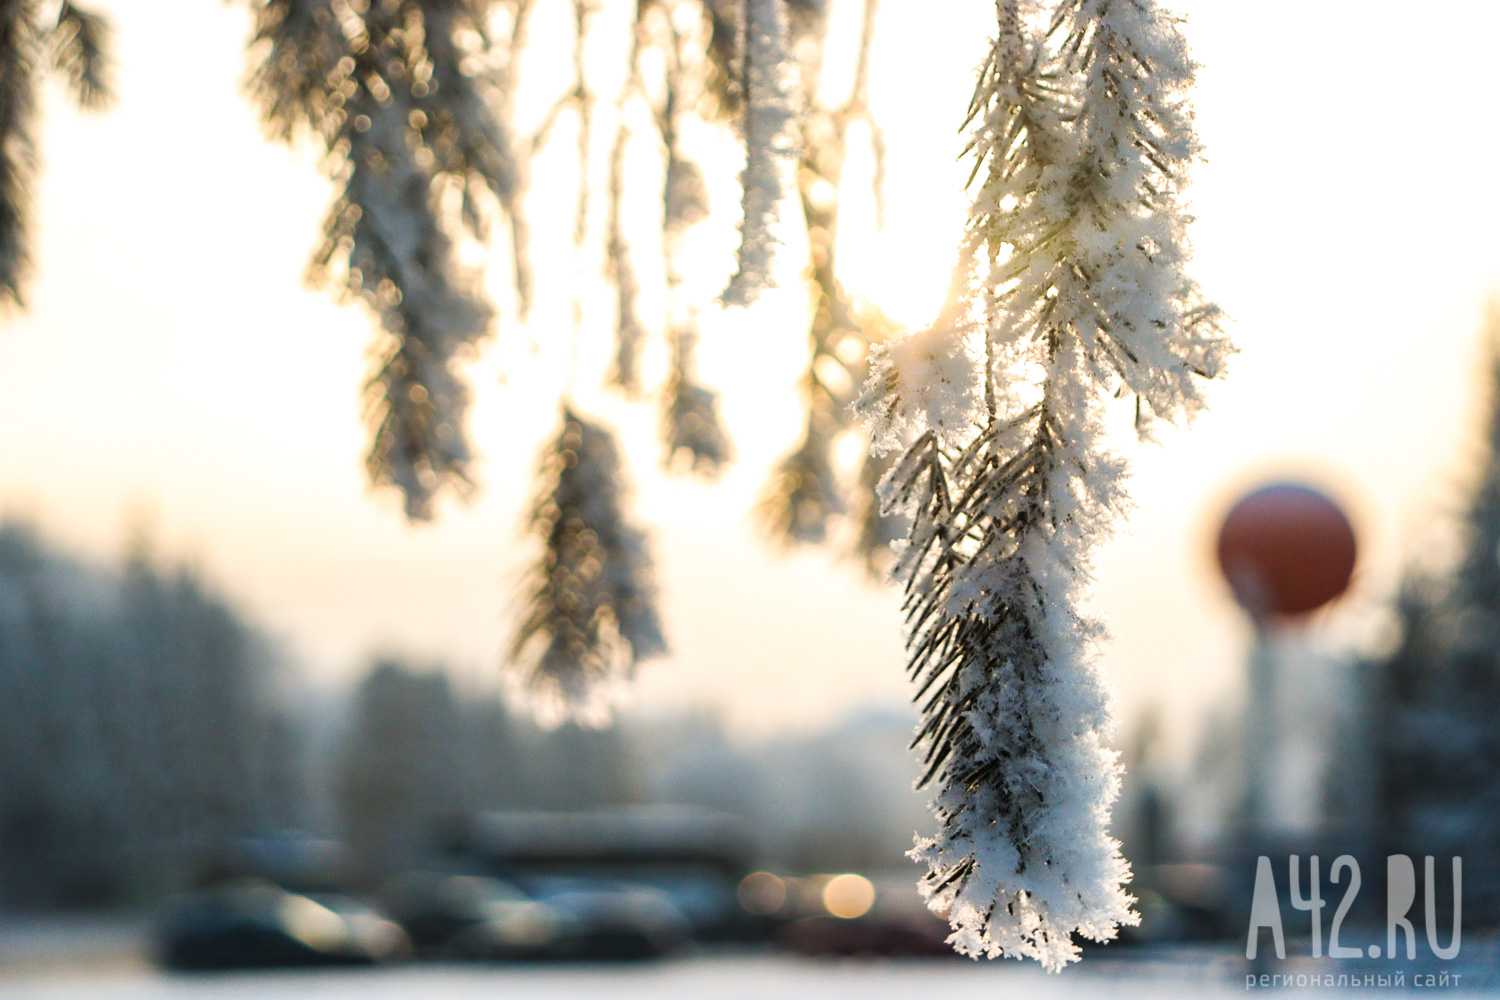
769,142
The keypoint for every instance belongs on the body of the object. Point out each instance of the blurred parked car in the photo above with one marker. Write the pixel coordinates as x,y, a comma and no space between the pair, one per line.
693,857
471,916
258,925
613,920
563,918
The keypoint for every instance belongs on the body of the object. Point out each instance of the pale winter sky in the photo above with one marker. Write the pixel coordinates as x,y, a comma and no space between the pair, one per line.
172,361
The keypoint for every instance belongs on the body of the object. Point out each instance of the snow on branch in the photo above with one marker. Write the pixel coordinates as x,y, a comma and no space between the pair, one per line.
1073,271
930,380
590,613
399,94
808,498
769,114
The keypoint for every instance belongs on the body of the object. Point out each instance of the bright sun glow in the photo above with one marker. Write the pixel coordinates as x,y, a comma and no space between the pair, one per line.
902,267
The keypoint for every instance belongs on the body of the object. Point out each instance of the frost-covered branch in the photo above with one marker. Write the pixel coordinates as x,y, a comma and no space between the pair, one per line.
401,96
520,226
804,495
18,44
769,114
690,422
625,372
34,37
1071,289
590,614
690,413
80,53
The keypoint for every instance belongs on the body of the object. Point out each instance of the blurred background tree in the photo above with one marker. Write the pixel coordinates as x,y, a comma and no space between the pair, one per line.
143,731
1437,696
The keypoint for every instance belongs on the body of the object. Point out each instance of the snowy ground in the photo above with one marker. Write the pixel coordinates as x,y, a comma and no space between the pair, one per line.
698,978
720,978
104,960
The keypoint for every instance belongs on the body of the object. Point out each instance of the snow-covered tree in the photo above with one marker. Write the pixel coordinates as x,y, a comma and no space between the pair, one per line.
139,730
1070,289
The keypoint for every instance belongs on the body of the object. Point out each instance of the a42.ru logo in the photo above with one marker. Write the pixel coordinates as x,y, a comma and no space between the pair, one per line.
1401,894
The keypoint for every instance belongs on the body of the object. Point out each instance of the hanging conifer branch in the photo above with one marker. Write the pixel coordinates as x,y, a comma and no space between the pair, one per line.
875,530
515,206
590,611
80,53
582,101
629,334
725,50
35,37
858,108
769,113
690,424
18,44
1076,243
309,77
803,496
397,93
590,607
690,413
578,99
